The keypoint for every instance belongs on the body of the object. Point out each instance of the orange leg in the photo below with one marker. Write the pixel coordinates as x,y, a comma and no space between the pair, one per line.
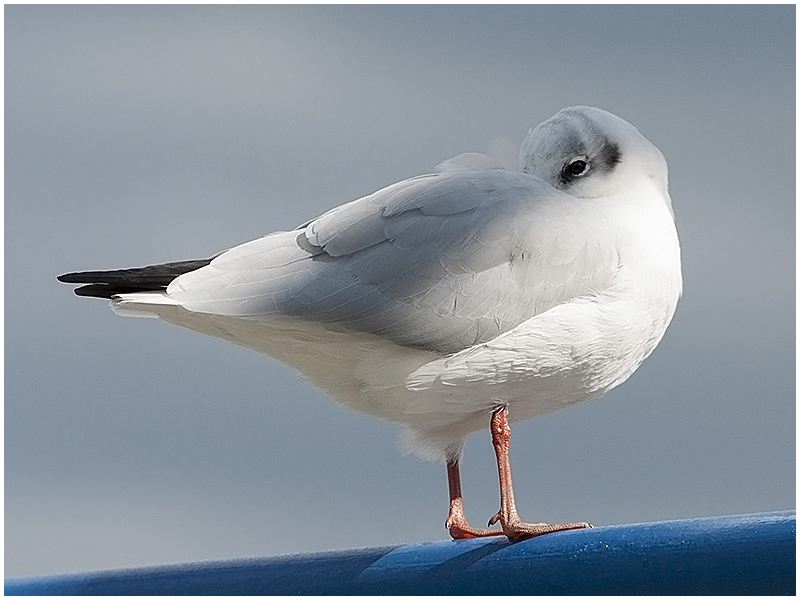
512,525
456,521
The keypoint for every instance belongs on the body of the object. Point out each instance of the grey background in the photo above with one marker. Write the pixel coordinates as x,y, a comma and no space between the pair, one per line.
142,134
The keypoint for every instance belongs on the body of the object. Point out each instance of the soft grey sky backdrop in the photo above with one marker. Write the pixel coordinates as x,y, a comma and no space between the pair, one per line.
143,134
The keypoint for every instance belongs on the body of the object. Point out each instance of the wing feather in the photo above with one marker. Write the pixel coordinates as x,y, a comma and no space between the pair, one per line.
438,262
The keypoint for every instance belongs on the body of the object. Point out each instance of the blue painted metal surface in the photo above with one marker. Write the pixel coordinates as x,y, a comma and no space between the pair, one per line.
742,554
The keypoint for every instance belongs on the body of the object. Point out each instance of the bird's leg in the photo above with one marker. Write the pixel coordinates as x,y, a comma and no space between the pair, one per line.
509,520
456,521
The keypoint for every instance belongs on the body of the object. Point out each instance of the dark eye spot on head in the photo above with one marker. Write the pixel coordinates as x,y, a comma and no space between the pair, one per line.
610,155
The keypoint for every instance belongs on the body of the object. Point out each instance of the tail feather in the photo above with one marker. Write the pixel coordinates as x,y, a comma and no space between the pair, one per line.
106,284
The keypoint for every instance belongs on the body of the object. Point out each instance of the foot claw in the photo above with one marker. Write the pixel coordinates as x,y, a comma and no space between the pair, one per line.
459,533
459,529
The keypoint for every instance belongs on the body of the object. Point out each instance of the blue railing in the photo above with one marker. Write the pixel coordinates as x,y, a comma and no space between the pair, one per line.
742,554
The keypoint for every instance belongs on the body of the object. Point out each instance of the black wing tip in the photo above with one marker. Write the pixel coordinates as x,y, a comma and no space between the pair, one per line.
72,278
94,276
96,291
150,277
105,284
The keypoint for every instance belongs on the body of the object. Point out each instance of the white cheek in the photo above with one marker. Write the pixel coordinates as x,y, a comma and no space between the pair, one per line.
592,185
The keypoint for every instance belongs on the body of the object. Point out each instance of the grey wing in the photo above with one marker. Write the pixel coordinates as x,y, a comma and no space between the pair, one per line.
433,262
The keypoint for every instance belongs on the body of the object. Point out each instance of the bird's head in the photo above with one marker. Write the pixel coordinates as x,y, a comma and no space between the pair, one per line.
590,153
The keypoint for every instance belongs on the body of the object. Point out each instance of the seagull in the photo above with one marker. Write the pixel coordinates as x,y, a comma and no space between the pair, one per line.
497,288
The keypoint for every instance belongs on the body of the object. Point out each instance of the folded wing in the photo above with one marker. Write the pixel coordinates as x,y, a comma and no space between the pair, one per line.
438,262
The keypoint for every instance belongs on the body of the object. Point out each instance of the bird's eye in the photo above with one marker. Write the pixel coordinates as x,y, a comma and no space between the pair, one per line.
577,167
